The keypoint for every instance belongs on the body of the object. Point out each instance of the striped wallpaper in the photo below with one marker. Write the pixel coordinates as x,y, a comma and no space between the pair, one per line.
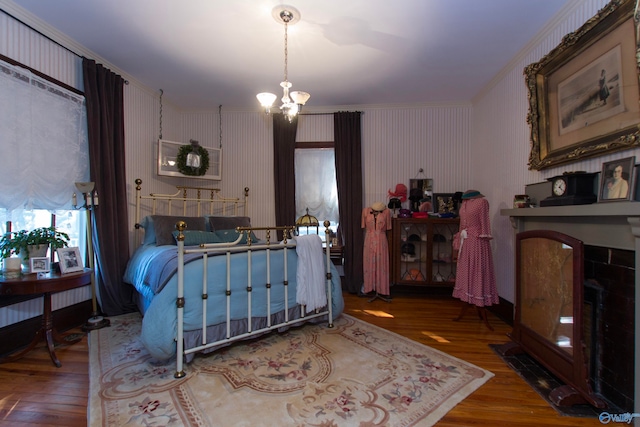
483,144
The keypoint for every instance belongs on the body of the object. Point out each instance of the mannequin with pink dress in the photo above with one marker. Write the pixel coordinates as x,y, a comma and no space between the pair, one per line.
475,274
376,220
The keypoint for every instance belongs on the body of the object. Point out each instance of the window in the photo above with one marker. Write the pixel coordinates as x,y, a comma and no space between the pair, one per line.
44,149
316,187
72,222
44,152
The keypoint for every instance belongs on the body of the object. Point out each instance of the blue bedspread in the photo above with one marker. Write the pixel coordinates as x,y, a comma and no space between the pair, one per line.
151,271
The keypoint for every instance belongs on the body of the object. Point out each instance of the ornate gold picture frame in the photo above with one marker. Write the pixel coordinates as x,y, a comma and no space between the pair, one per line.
583,95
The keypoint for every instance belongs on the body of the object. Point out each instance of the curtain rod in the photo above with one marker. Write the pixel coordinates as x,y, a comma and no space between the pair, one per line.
40,74
328,114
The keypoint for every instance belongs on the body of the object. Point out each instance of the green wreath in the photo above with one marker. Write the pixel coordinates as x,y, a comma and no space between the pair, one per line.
181,160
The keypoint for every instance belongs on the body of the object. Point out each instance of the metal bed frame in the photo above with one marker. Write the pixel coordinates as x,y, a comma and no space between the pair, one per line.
210,201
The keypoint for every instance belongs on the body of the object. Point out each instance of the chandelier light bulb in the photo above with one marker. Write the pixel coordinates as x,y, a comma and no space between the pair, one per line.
266,99
300,98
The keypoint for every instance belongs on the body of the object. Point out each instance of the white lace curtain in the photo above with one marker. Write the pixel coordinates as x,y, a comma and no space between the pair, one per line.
43,141
316,187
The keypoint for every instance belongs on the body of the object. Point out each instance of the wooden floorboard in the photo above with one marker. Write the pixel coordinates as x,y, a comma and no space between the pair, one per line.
506,399
33,392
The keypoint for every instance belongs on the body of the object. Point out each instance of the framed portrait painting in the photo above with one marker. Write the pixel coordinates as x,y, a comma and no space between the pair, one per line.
616,180
583,95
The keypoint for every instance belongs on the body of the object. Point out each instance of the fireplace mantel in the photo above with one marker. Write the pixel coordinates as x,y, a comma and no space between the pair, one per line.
611,224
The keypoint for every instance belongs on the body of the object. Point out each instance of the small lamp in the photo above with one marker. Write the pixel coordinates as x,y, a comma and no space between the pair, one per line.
307,220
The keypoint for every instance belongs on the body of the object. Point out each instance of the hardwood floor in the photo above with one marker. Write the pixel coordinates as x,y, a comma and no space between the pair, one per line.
33,392
505,399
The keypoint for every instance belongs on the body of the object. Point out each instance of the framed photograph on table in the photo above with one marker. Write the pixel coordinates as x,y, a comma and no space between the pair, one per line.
583,95
39,265
70,260
617,179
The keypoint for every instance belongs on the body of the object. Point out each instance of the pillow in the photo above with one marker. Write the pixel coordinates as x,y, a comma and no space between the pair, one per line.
165,225
229,236
228,222
197,237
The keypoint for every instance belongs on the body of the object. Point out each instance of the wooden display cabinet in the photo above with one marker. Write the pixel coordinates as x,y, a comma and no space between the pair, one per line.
421,252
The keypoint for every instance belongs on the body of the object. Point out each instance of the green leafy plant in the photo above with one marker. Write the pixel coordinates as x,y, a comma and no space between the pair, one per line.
18,242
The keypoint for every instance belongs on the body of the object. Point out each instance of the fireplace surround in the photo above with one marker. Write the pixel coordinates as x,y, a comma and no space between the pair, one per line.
607,230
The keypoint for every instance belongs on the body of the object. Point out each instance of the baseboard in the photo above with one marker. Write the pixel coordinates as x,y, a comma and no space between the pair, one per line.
504,310
19,335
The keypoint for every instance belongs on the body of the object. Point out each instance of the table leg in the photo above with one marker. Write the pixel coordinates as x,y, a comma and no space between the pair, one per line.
47,328
51,335
36,339
46,332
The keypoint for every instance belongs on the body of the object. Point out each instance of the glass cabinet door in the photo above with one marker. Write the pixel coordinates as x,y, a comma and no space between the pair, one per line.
443,264
422,251
413,252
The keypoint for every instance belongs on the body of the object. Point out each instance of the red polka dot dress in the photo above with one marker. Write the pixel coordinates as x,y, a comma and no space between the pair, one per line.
475,274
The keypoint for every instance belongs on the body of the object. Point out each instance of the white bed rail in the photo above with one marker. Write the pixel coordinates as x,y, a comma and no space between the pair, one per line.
228,249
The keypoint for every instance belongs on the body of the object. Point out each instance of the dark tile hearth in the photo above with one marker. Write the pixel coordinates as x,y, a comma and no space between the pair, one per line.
543,382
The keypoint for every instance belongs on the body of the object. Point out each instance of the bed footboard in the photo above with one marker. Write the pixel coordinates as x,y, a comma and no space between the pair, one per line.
271,289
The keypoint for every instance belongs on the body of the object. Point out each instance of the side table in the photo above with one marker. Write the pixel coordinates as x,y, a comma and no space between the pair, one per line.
44,284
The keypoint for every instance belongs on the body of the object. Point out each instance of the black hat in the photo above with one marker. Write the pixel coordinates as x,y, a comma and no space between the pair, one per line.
415,194
394,203
408,248
413,238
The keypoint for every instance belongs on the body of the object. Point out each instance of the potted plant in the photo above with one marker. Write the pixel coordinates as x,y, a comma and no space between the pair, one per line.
32,243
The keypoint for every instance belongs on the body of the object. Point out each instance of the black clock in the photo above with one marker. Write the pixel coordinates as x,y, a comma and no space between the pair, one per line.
571,188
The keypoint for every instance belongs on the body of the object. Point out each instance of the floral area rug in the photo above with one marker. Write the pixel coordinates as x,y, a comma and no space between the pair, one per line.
354,374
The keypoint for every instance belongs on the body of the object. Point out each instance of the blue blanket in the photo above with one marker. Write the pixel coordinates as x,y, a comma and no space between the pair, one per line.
152,271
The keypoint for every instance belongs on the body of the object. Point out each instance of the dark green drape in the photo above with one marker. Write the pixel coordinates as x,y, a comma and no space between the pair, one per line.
347,130
284,145
105,120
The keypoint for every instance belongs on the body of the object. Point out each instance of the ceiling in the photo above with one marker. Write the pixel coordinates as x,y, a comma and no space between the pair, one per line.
206,53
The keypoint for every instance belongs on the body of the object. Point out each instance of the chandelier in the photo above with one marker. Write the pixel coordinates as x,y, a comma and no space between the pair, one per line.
291,102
